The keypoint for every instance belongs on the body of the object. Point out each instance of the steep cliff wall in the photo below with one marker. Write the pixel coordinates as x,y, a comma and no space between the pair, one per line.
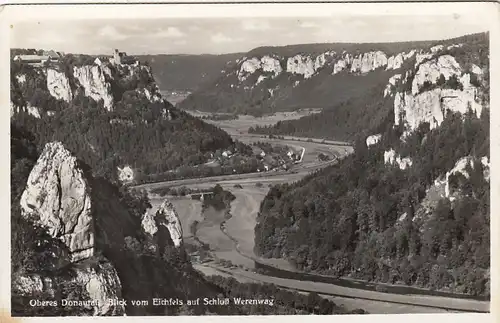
93,81
103,253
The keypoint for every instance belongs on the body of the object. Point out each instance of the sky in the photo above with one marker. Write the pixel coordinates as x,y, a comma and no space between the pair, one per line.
230,35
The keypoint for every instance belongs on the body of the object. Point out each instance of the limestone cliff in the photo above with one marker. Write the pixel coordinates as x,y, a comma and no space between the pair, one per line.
461,167
164,216
102,247
437,86
391,157
57,196
293,77
58,85
94,82
59,199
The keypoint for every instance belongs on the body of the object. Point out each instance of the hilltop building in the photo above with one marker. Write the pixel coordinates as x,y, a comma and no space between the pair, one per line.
47,56
122,58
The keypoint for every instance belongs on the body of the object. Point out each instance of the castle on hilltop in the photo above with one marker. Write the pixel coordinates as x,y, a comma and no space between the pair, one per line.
122,58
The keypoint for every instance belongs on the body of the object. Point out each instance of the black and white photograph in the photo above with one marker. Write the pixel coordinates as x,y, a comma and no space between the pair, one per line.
262,164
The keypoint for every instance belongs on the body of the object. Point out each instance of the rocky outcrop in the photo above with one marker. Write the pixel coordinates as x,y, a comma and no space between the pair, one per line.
265,64
21,78
368,62
58,85
342,63
391,157
391,84
461,167
91,77
431,105
165,216
57,197
300,64
432,70
125,174
373,140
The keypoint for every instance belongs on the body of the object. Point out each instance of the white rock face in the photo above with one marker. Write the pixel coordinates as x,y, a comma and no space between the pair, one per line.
272,65
21,78
391,84
248,67
409,54
373,139
125,174
486,164
431,106
368,62
342,63
165,216
322,59
266,64
395,62
430,71
437,48
58,85
57,196
93,81
390,157
454,46
422,57
461,167
299,64
260,79
33,111
476,69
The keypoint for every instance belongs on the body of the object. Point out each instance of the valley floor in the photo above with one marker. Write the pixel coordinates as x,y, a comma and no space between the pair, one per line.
233,239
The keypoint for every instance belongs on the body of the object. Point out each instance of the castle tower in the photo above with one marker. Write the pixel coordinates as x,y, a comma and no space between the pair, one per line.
116,57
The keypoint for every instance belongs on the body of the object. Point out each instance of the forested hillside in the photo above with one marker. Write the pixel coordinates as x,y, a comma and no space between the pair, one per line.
187,72
411,204
310,76
111,116
371,110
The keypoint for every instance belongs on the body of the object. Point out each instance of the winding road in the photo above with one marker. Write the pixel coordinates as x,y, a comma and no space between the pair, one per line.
233,239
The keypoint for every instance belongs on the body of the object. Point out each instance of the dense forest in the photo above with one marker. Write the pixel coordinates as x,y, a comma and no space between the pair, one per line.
187,72
363,219
150,136
144,273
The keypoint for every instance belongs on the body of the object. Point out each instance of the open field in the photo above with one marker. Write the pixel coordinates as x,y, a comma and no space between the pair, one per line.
244,122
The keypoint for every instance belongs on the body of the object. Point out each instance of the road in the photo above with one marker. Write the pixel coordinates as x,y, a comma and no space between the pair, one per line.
233,239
